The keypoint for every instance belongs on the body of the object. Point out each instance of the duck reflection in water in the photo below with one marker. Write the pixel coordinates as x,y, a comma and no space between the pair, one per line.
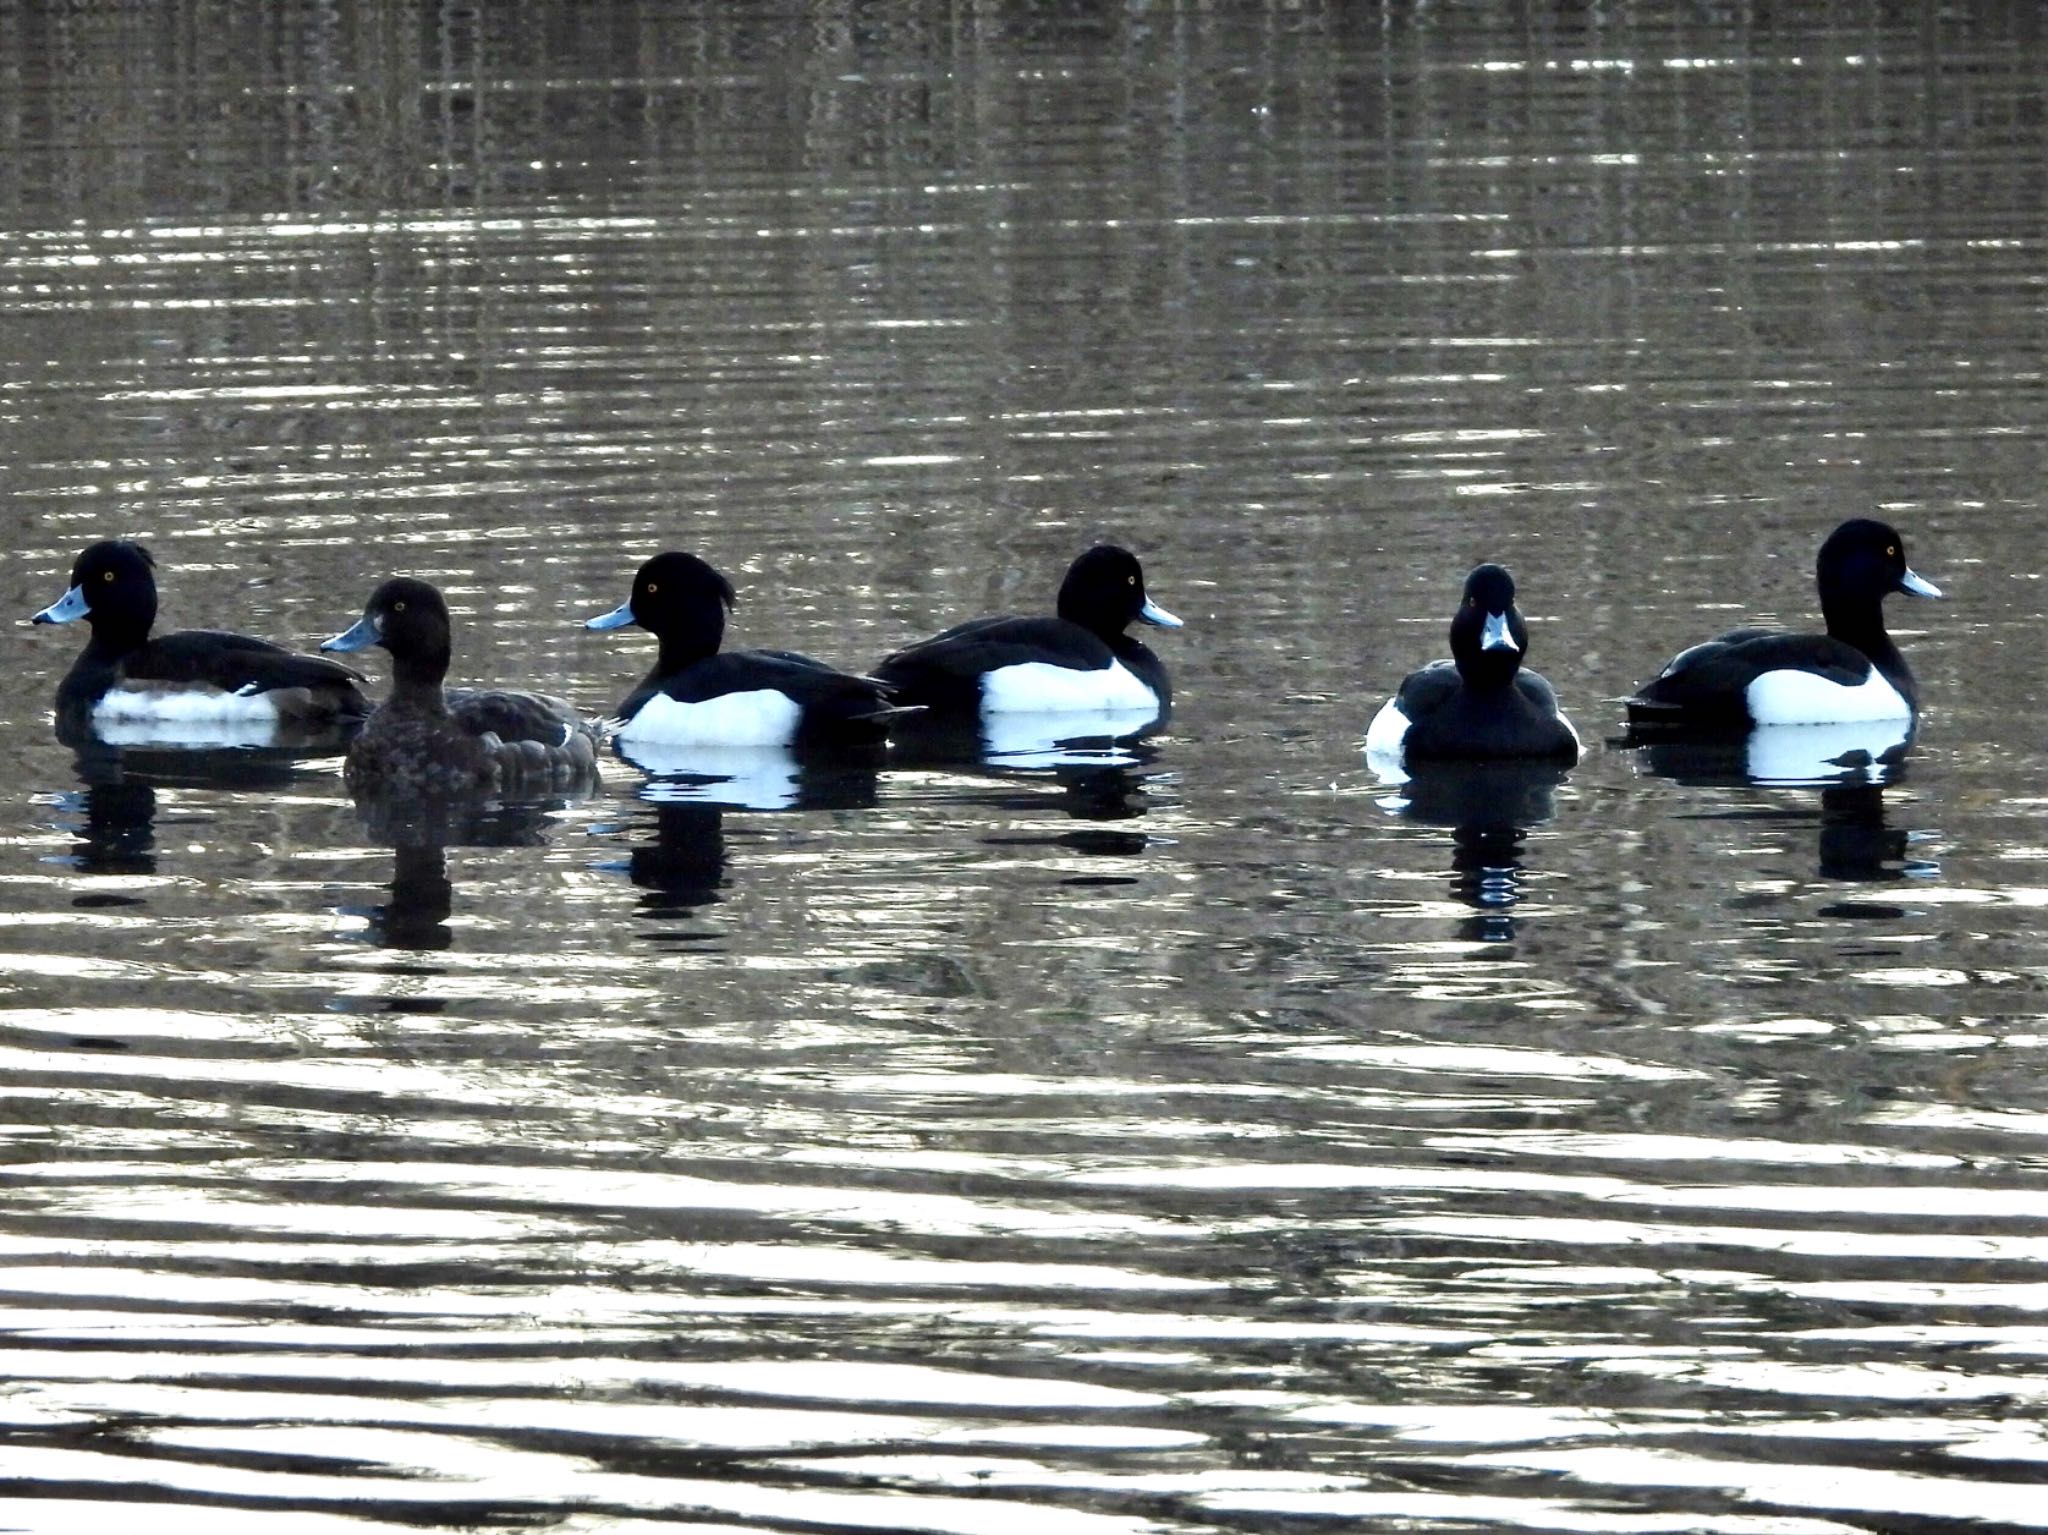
1851,765
1490,808
1859,752
1100,795
422,895
1048,739
682,870
115,829
691,790
755,777
115,808
1101,760
190,752
1858,845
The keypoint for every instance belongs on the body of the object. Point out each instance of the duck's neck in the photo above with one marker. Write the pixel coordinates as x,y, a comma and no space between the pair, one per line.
1488,671
113,638
686,647
416,680
1861,624
97,668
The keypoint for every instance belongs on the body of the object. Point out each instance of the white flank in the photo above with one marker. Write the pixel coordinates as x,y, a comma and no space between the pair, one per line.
128,730
139,715
1573,731
1389,728
744,777
140,701
763,717
1801,698
1816,753
1038,687
1047,739
1384,738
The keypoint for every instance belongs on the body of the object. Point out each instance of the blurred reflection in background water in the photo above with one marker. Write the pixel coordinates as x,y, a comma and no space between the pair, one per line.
1196,1134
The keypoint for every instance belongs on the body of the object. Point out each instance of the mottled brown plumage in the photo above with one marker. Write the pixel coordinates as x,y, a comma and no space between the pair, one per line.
425,740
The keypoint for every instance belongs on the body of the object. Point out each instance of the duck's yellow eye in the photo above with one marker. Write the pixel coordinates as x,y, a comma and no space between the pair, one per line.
1130,580
107,576
652,588
398,606
1891,551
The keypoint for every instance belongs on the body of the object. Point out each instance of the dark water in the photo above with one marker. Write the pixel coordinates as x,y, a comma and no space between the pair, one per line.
1212,1138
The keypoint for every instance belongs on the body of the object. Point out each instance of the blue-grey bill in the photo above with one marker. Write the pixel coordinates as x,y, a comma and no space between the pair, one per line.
67,607
1918,585
1496,636
617,618
361,637
1153,613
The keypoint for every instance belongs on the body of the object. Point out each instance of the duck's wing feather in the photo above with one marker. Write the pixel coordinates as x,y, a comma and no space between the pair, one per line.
817,688
1707,649
1550,732
1711,680
234,663
514,715
947,668
1536,690
1425,691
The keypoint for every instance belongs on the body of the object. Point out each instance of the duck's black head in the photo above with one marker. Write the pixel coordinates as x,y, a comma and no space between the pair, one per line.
113,588
409,618
1104,591
1860,564
1488,637
680,598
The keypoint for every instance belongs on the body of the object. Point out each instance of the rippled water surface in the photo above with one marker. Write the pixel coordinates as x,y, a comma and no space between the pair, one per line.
1205,1136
